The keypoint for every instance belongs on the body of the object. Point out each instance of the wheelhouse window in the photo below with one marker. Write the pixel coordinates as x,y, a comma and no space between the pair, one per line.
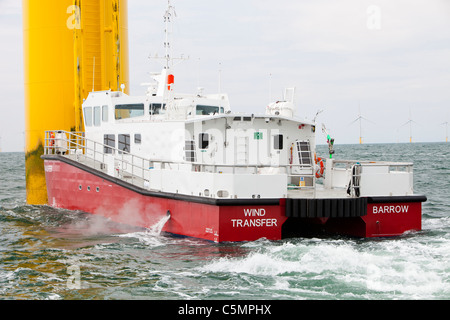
124,143
88,116
109,140
278,142
207,110
105,113
203,140
97,114
155,108
124,111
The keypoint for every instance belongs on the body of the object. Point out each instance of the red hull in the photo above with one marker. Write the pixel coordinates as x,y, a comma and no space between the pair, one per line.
73,187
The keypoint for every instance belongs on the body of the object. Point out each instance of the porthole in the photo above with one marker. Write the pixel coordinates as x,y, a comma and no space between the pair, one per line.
79,187
89,188
97,189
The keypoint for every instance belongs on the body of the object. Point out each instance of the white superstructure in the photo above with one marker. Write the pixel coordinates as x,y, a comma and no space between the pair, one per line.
194,145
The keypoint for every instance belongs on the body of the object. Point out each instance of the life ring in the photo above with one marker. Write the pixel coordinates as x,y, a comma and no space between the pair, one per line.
51,142
321,169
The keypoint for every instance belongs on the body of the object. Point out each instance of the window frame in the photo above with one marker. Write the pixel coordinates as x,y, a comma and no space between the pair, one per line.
203,140
108,148
278,141
304,153
105,113
189,150
88,119
97,121
122,144
130,107
137,138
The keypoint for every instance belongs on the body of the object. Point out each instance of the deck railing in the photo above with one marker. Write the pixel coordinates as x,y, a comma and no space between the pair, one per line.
136,169
356,178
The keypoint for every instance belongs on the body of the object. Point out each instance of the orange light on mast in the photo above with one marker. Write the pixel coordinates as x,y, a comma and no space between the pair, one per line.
170,81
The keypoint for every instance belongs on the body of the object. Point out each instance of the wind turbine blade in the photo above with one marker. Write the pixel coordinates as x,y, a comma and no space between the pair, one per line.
407,122
354,121
367,119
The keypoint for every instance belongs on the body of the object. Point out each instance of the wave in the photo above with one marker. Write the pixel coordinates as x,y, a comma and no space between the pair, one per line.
401,269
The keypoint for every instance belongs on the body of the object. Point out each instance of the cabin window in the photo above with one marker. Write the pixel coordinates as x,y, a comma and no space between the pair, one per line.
124,143
105,113
203,140
88,116
137,138
207,110
155,108
304,153
109,140
124,111
189,149
278,142
97,115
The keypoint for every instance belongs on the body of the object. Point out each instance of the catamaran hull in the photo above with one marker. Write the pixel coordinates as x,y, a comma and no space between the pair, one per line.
73,186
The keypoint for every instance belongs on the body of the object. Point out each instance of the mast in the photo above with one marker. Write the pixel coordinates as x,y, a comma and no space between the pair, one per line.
166,78
167,31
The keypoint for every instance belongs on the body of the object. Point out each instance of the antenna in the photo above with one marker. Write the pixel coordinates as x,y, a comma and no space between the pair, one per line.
165,80
317,113
330,141
198,73
168,19
360,118
270,87
220,77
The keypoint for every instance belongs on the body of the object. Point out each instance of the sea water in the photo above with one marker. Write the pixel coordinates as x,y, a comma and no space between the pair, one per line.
48,253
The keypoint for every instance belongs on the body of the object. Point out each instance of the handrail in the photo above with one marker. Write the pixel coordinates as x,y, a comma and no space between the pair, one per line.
373,163
136,168
84,150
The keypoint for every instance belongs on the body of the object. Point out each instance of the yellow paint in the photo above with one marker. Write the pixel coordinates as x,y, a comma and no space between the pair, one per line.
60,40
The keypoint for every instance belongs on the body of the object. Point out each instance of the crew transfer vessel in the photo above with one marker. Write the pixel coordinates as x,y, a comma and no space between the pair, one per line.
217,174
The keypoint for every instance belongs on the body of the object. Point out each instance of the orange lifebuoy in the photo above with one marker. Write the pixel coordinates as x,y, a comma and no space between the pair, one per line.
51,142
319,172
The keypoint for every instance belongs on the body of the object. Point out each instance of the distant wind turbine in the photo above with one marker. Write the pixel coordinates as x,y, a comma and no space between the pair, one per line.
446,130
410,122
360,118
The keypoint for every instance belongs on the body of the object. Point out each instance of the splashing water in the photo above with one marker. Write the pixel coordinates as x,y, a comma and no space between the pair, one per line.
152,235
157,227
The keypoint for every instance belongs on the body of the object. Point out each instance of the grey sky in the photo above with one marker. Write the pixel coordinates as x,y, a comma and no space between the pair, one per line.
388,56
